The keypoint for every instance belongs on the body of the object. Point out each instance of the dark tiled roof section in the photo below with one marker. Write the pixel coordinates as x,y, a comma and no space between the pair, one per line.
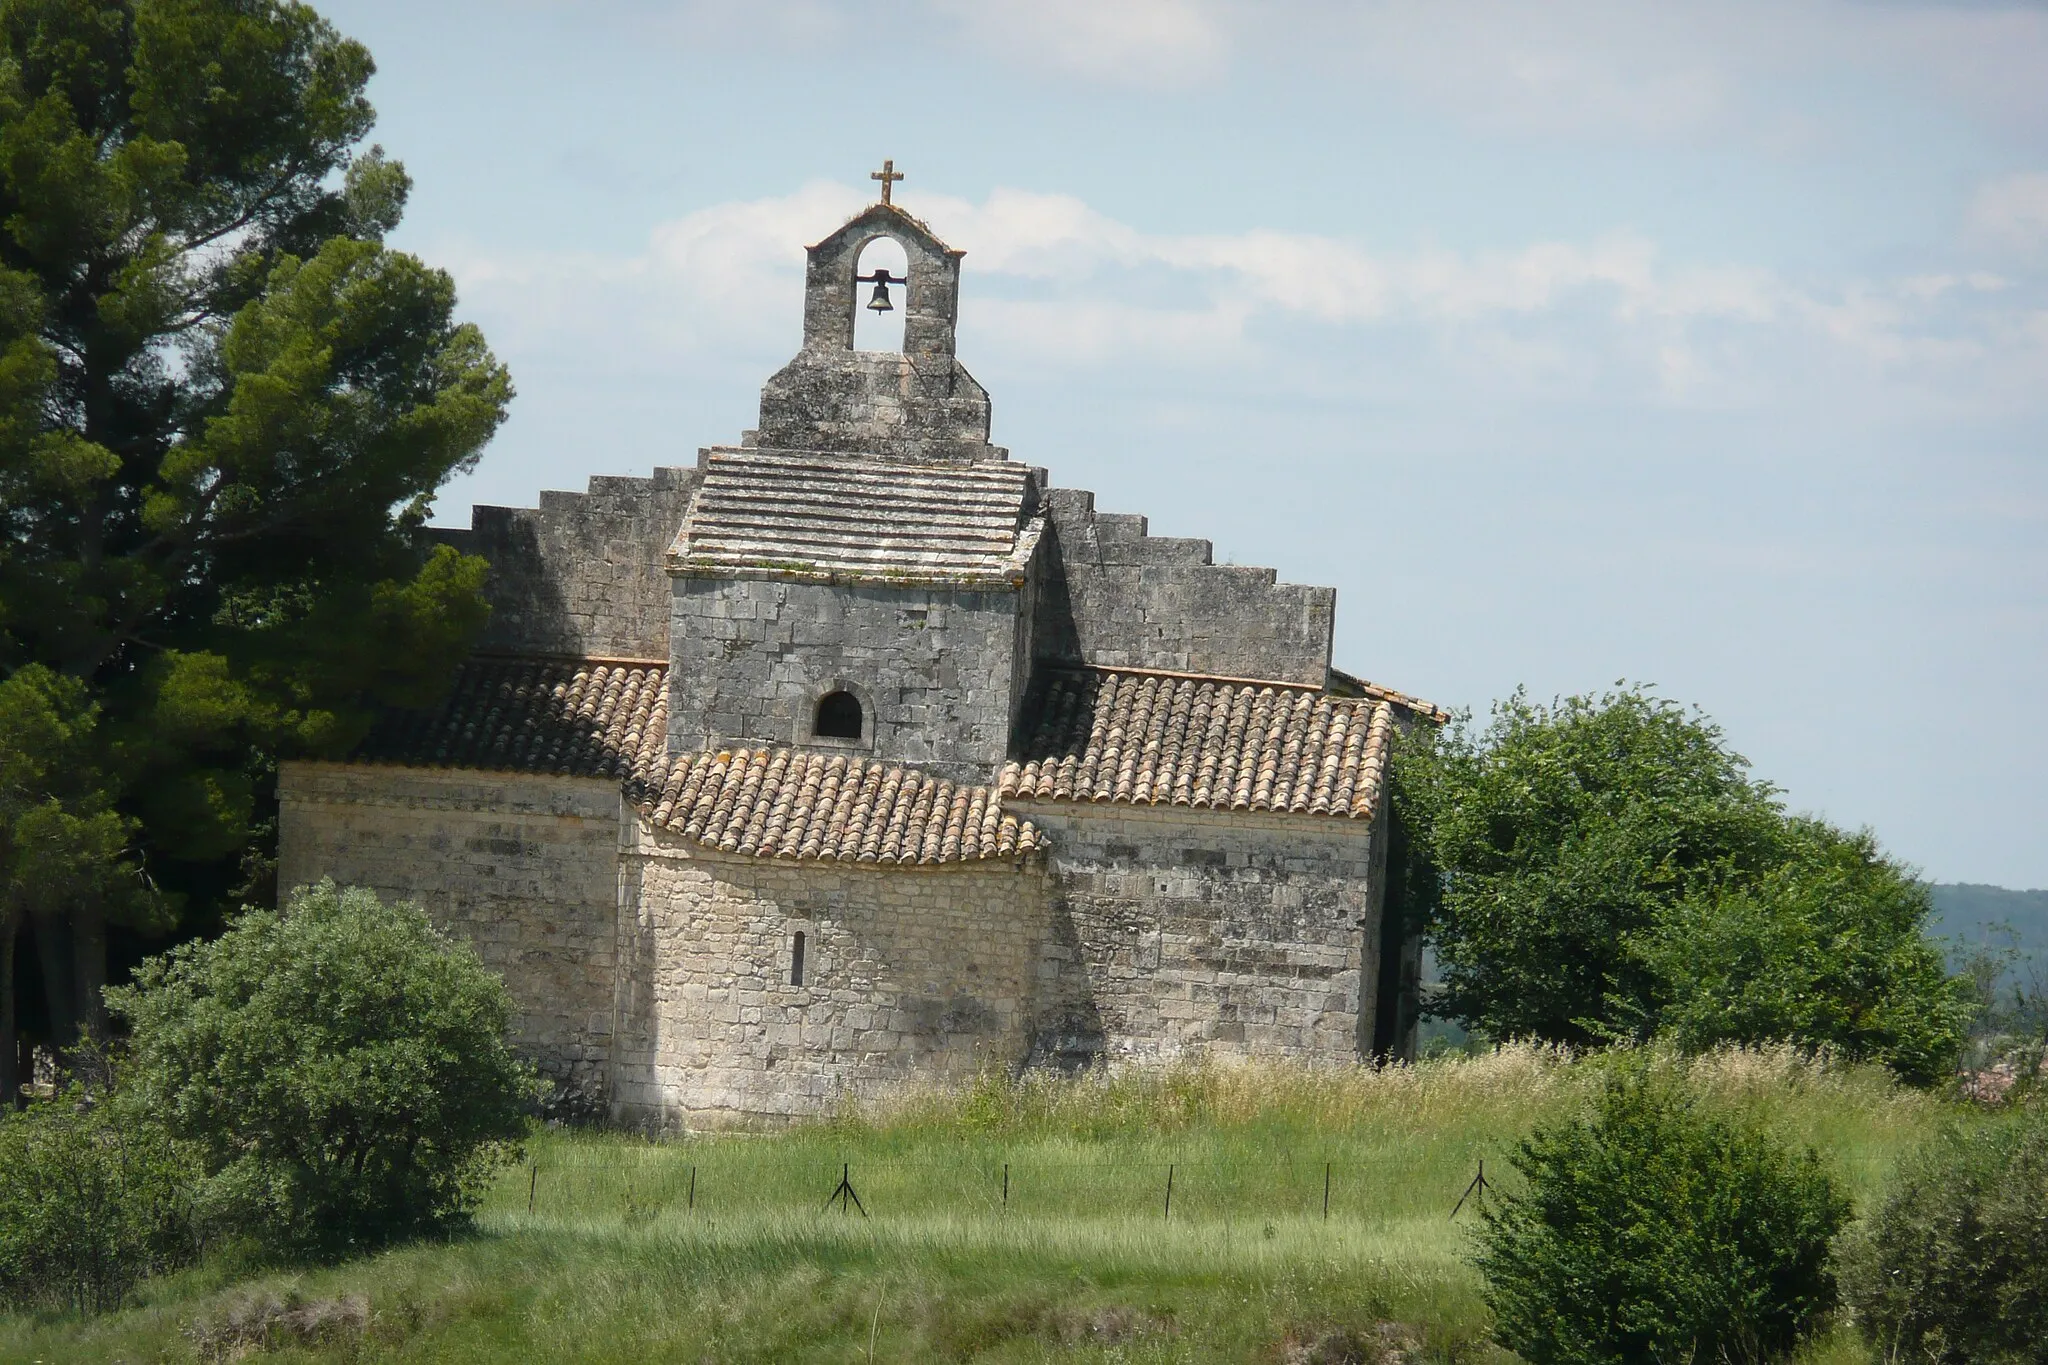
1350,685
565,717
786,803
594,718
1154,739
840,518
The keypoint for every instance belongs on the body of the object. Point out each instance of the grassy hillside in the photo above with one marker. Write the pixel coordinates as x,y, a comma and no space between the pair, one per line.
614,1262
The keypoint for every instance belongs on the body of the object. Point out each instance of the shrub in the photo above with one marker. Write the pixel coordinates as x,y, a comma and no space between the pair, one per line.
1825,950
1649,1231
90,1202
1610,870
341,1067
1954,1266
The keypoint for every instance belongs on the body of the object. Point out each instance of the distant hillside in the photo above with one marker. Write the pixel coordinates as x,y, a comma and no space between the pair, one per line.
1978,916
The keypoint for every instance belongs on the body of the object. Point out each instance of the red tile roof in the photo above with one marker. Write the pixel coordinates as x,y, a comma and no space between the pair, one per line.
791,804
1350,685
1106,734
563,717
597,718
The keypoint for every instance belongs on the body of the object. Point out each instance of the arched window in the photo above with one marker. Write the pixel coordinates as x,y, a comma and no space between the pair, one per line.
838,716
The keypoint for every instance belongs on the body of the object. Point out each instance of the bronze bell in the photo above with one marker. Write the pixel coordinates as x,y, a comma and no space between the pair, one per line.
880,302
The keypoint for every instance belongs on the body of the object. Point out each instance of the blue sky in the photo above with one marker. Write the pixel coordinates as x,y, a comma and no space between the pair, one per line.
1699,344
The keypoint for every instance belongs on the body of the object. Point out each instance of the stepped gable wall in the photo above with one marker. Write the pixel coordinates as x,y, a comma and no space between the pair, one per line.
1117,596
581,575
524,866
1184,933
909,973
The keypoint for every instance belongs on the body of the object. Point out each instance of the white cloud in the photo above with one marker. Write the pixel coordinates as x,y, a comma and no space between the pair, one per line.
726,276
1989,57
1053,283
1620,67
1605,65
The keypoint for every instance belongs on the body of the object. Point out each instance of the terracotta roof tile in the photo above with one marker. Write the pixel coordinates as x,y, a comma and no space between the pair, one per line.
789,803
1350,685
1142,738
599,718
563,717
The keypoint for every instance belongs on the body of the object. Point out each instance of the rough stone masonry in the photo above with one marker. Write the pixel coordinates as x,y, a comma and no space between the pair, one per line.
857,753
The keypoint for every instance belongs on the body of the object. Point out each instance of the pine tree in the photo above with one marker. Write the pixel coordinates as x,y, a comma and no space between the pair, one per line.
225,406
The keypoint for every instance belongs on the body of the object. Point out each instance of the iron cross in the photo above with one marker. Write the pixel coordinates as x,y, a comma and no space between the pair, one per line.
887,175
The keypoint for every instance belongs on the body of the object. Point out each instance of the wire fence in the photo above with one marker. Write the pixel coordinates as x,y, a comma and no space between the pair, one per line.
1166,1189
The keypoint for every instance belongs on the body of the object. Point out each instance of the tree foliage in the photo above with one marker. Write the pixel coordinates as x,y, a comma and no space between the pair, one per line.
1651,1232
225,405
1609,869
1826,947
1953,1267
90,1202
62,845
342,1069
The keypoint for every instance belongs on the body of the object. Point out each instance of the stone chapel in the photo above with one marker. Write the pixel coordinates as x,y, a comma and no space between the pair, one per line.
859,753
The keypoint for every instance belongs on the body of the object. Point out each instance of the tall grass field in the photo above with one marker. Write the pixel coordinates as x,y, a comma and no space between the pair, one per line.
1310,1218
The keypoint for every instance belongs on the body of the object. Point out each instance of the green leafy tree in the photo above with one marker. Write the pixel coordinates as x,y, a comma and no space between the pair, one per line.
342,1068
1825,948
1609,870
1562,833
1648,1231
225,406
1953,1267
61,844
91,1200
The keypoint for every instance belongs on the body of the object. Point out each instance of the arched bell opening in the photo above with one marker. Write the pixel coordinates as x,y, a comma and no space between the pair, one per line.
881,296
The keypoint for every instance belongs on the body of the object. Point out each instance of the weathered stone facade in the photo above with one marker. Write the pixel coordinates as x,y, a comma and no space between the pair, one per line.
1199,932
918,406
524,867
581,575
921,972
1115,595
856,754
934,669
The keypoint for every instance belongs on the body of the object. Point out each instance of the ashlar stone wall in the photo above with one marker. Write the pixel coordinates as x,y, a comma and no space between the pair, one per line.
654,976
1119,597
926,973
581,574
940,673
1189,933
525,868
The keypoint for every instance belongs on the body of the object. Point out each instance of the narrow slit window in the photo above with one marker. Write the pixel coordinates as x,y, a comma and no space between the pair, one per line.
838,716
796,959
